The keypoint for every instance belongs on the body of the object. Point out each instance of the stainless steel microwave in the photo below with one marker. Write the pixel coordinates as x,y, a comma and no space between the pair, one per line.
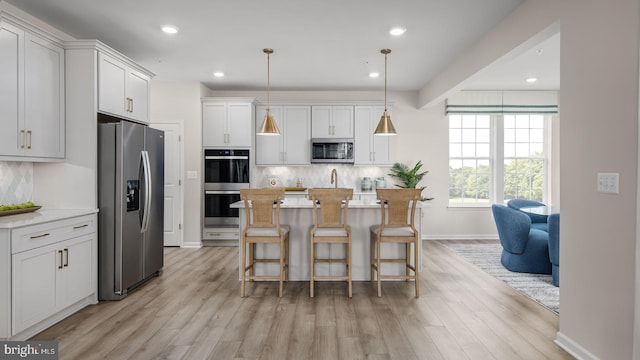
332,150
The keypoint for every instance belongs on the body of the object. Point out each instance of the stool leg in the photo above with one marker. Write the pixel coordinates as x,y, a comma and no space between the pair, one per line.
378,266
244,266
252,249
286,258
282,250
408,261
416,255
348,263
311,267
372,257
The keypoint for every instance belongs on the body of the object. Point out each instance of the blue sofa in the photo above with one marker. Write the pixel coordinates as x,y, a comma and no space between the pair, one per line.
554,247
524,249
537,221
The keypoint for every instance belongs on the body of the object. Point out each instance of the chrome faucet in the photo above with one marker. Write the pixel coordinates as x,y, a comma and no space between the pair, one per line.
334,174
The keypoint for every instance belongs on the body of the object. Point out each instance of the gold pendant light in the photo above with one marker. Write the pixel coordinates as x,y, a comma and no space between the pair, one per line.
385,126
269,126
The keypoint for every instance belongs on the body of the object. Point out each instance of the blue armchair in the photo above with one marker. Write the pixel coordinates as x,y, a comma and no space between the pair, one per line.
524,249
537,221
554,247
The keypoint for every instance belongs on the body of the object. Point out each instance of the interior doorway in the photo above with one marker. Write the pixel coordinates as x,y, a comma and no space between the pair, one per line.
173,205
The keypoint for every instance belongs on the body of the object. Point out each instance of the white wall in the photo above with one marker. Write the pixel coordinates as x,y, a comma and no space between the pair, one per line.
179,102
599,133
599,102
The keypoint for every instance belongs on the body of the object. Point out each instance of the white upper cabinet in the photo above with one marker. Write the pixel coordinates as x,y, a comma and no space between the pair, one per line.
293,145
31,96
122,90
371,149
44,98
227,122
12,80
332,121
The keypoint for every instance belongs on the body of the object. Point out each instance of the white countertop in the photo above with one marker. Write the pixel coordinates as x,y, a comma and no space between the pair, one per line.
41,216
306,204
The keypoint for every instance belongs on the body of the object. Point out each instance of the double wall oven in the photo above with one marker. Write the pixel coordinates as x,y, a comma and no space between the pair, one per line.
226,171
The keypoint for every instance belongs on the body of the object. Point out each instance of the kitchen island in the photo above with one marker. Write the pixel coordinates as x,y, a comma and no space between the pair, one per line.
298,214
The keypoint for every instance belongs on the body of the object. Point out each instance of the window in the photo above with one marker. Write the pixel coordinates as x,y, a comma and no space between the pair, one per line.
524,156
469,159
494,158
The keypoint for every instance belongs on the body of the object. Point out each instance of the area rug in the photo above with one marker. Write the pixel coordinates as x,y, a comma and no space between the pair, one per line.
535,286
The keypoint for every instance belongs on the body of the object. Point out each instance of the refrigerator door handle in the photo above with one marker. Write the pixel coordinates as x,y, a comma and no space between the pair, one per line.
146,165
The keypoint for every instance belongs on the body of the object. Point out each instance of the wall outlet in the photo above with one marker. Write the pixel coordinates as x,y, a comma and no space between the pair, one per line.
608,183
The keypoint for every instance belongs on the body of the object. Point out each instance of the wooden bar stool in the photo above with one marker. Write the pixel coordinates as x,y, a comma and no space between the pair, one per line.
330,208
263,227
398,209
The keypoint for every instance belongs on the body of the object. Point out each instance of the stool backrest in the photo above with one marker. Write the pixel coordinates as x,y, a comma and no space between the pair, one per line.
398,206
259,206
330,206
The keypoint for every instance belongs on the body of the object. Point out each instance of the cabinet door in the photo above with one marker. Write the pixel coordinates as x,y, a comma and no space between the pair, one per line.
75,279
239,124
332,121
44,98
297,135
380,145
363,135
12,88
137,95
34,286
342,119
269,148
112,75
213,124
321,126
370,149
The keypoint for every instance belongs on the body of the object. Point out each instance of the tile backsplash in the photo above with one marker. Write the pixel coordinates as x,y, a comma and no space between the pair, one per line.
318,175
16,182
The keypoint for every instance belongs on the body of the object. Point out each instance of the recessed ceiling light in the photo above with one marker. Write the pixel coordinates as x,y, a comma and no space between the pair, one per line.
539,51
531,79
374,75
169,29
398,30
218,74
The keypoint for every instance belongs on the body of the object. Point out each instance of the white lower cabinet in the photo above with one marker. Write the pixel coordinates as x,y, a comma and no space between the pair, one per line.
53,273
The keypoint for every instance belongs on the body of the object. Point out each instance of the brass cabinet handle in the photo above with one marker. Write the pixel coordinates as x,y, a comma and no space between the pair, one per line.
61,260
29,137
66,252
39,236
80,226
23,136
131,104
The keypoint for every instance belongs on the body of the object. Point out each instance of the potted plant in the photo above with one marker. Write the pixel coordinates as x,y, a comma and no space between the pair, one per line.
409,177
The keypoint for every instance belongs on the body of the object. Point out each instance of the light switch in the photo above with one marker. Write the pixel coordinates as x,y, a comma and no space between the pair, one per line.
192,174
608,183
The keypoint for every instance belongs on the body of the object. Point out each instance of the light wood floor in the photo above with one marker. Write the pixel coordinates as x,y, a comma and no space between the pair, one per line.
194,311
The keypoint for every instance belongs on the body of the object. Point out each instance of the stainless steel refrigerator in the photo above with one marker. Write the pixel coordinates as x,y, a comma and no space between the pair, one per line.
131,207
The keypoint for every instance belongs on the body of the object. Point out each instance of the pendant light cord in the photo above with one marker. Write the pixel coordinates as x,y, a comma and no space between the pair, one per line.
268,79
385,82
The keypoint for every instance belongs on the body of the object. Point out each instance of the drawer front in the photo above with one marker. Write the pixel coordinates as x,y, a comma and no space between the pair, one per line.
32,237
220,234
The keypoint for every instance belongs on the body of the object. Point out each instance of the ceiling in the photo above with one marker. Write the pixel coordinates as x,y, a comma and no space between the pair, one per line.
319,45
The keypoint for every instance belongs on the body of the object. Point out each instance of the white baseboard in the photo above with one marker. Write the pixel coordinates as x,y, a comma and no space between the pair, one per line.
191,245
573,348
460,237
